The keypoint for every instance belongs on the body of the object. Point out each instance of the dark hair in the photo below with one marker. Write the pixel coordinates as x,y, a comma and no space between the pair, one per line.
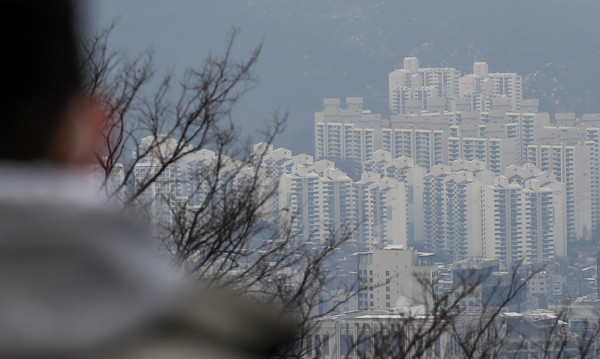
41,74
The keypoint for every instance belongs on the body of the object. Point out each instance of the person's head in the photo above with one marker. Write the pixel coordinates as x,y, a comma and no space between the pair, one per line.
44,114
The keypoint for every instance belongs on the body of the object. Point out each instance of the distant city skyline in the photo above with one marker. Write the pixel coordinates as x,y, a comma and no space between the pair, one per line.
443,155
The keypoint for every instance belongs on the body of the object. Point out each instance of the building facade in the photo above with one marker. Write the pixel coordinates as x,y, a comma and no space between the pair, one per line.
414,88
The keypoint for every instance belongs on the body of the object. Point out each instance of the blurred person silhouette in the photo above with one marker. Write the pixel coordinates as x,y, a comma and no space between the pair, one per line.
78,279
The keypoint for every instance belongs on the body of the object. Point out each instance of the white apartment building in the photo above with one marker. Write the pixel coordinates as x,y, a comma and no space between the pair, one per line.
452,213
414,88
276,162
317,201
571,134
279,161
404,170
496,153
414,98
537,184
273,160
570,164
395,276
344,141
352,133
345,133
469,212
163,193
427,147
381,211
525,128
180,188
593,143
518,222
485,89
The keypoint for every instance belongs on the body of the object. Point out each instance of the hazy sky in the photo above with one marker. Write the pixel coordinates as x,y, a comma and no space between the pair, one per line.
338,48
182,33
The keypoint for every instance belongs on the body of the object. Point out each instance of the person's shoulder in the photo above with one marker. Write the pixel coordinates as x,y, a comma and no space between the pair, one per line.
73,265
36,220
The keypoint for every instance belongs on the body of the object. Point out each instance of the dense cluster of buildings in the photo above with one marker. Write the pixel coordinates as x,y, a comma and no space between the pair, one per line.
465,174
488,182
458,210
566,151
413,89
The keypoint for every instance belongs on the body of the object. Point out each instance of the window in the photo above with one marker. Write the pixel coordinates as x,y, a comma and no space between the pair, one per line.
363,347
346,345
325,345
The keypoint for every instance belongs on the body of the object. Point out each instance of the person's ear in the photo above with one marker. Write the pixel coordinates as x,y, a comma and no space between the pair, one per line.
79,136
